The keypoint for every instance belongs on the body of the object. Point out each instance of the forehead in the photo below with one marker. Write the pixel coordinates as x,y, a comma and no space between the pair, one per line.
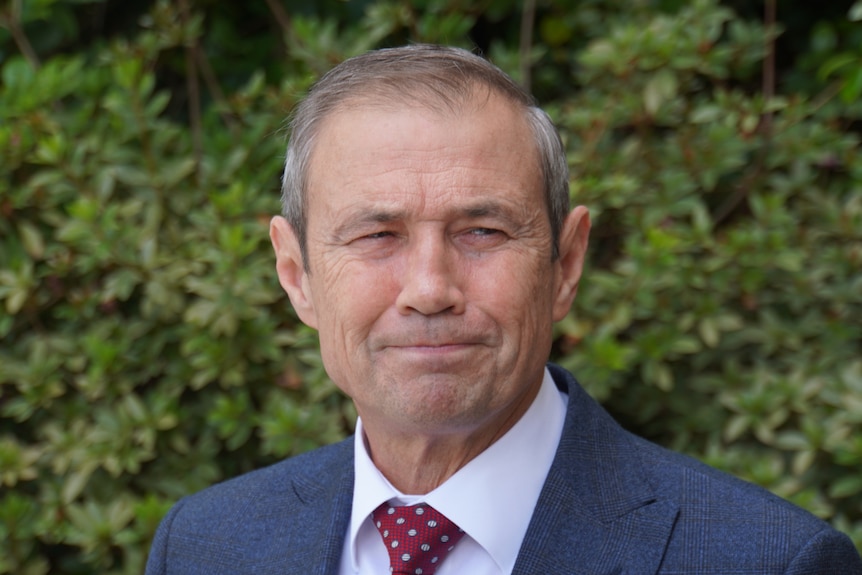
485,140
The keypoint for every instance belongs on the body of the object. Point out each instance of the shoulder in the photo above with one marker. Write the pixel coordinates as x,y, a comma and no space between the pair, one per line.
290,482
704,492
248,524
656,472
735,523
720,521
265,499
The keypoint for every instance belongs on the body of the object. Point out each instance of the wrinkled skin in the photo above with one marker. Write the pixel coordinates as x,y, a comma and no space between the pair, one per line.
430,279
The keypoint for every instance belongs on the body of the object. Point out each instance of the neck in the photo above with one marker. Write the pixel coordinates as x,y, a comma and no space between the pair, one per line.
416,463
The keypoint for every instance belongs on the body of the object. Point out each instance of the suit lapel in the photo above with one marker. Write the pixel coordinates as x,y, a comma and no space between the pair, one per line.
316,548
335,513
597,514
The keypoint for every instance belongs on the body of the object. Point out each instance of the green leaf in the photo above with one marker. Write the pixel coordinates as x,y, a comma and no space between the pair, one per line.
76,482
661,88
836,63
846,486
852,89
175,171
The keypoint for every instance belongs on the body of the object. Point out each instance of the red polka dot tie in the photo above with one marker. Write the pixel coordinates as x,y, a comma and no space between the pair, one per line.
417,537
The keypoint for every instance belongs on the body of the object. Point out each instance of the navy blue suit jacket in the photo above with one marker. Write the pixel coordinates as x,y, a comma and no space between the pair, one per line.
613,503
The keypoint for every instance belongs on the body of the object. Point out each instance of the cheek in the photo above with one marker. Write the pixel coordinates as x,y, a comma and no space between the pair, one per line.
339,287
349,300
519,292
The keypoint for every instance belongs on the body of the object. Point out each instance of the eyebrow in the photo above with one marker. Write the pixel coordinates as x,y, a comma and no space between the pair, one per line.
509,214
488,209
362,217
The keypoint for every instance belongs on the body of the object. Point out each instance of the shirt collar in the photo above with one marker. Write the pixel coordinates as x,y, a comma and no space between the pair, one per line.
499,487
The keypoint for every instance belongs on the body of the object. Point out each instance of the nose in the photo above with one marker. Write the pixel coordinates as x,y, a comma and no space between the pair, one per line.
430,282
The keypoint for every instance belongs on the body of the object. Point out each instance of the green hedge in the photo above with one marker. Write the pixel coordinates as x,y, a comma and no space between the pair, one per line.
722,314
148,351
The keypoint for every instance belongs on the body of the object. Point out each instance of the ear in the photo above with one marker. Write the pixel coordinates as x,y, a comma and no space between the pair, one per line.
291,271
574,238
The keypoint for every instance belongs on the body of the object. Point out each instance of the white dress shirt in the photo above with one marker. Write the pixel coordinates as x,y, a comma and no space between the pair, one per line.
491,498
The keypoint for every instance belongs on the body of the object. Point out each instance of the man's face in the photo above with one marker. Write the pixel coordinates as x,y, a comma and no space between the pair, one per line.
429,248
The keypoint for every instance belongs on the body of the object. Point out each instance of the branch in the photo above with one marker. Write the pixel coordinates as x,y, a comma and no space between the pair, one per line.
769,15
193,87
744,188
215,89
528,17
13,24
280,15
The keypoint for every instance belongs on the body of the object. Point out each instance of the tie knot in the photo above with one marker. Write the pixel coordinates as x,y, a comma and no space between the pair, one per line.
417,537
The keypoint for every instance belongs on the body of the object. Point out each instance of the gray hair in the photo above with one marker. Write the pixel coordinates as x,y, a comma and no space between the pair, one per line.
438,77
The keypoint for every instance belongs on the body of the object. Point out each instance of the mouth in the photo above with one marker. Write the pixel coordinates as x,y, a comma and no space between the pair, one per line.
431,347
431,341
430,358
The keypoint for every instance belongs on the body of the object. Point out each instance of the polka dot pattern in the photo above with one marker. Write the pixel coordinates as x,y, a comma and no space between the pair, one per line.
417,537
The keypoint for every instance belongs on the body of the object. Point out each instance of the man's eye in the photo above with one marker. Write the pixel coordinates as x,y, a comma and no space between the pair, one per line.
483,238
484,231
377,235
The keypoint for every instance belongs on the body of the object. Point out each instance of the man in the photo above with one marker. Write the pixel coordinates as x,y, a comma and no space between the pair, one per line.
427,237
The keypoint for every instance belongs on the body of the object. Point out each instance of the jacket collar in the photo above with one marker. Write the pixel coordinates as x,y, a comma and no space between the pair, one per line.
328,505
597,513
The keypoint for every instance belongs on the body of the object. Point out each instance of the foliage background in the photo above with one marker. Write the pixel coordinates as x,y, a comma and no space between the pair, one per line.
146,350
